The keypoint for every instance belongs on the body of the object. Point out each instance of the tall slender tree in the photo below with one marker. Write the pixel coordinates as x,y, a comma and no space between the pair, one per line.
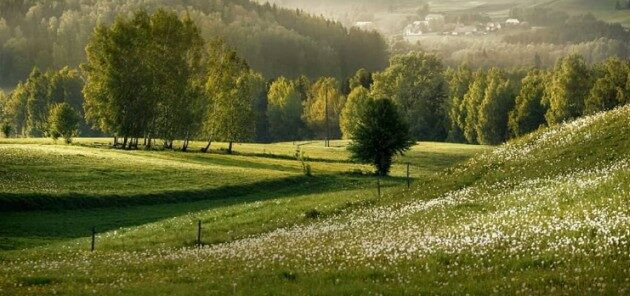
285,110
37,103
231,87
529,112
492,124
323,109
568,89
358,99
471,102
119,94
459,83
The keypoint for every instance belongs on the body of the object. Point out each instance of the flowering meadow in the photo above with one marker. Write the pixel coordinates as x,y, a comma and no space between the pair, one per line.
545,214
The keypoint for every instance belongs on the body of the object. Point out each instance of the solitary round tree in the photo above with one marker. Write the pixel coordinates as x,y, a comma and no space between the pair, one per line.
63,121
380,133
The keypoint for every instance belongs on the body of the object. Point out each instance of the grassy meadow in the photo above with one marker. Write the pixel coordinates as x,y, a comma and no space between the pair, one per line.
51,193
544,214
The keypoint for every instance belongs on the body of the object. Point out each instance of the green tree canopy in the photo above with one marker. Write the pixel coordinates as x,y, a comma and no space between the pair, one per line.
492,125
416,82
529,112
459,83
143,77
610,88
568,89
37,102
231,87
380,134
284,110
361,78
27,108
350,115
470,106
323,108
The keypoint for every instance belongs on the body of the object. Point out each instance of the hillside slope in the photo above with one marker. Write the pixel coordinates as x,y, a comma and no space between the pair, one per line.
545,214
602,9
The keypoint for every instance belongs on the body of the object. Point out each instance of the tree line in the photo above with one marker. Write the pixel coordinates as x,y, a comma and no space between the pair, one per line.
153,78
27,110
491,106
52,34
624,6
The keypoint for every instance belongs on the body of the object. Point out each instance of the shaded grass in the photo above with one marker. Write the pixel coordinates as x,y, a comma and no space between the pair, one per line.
11,202
323,194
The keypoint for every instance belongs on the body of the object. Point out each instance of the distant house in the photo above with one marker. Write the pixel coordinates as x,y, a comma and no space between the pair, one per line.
435,22
491,26
367,26
512,22
416,28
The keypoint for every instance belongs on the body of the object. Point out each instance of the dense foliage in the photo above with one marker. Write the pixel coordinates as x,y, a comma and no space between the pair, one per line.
529,112
323,108
25,110
416,83
379,134
53,34
491,106
164,56
152,76
284,111
350,115
64,122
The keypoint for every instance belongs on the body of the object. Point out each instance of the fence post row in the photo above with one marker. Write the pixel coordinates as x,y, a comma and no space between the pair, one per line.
378,188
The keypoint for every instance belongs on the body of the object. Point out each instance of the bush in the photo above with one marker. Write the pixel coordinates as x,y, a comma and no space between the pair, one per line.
312,214
7,129
306,167
63,121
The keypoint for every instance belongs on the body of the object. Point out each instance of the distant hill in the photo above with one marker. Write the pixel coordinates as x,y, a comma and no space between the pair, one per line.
348,11
603,9
275,41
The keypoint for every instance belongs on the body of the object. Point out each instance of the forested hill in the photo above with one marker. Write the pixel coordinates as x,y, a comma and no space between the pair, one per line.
275,41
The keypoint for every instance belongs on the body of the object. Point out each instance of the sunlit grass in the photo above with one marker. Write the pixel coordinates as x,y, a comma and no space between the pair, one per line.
545,214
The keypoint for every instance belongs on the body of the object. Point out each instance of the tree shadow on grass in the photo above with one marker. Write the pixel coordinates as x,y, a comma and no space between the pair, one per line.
18,202
29,221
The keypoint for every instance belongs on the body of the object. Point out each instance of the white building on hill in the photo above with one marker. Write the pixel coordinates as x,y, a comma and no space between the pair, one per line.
512,22
416,28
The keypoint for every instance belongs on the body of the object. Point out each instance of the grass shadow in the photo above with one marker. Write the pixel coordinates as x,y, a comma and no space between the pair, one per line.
75,216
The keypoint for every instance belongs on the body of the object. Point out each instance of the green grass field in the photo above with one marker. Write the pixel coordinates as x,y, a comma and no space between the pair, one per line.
51,193
545,214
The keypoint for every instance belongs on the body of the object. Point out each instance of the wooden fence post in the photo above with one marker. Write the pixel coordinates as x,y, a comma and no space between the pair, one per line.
408,177
199,233
93,238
